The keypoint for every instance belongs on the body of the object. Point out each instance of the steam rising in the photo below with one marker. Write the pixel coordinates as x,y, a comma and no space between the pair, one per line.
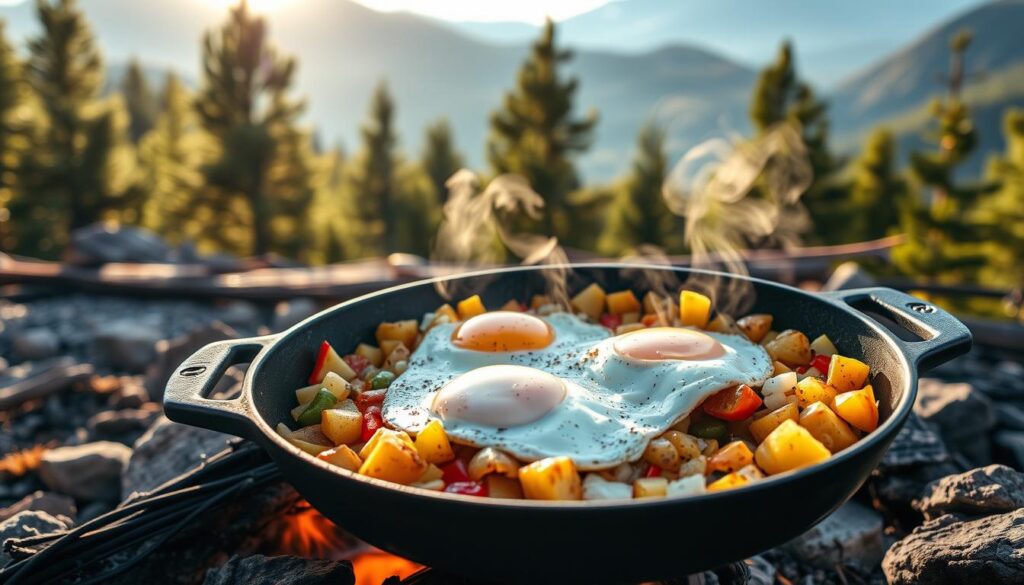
474,232
734,195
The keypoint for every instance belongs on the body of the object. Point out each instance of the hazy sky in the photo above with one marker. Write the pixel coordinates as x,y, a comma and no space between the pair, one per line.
532,11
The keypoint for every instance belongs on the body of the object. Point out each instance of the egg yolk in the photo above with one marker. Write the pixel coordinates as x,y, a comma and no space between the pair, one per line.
503,331
499,396
668,343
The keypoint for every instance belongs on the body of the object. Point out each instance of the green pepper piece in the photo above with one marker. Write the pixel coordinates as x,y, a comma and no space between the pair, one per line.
709,428
323,400
381,379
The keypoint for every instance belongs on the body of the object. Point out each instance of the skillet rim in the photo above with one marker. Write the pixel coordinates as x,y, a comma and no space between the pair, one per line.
881,434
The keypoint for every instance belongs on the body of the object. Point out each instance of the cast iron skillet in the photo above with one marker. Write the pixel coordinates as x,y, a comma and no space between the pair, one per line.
528,541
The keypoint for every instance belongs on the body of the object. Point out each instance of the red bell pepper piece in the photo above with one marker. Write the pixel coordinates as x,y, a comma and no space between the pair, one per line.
821,363
372,420
455,472
610,321
801,369
325,350
649,320
358,363
653,471
733,404
368,398
467,488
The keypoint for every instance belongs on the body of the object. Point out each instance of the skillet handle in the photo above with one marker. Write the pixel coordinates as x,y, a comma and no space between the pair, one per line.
185,399
943,336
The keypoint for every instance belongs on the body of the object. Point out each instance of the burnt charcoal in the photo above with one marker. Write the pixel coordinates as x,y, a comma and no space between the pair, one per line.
56,505
262,570
963,416
986,490
86,472
166,451
26,524
1011,443
917,443
853,533
116,423
37,380
132,394
949,551
1009,415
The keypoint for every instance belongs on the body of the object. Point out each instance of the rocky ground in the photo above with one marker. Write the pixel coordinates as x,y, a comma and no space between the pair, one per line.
81,379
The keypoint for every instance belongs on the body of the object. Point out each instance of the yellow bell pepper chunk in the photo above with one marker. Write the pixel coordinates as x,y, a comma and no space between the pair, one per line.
471,307
394,459
432,443
858,408
846,374
788,447
694,309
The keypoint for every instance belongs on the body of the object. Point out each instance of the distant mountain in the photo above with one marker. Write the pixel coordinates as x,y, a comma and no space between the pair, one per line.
833,39
344,49
896,91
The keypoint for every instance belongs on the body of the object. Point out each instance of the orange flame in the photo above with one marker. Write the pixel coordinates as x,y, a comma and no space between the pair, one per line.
307,533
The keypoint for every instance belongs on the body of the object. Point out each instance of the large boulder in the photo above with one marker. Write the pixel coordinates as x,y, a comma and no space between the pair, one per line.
986,490
262,570
948,551
851,533
103,243
27,524
126,345
86,472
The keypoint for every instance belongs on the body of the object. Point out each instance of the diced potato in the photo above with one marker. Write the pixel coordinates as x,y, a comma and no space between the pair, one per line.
791,347
622,473
436,485
769,337
471,307
342,456
811,390
778,390
399,354
329,361
310,439
779,368
730,458
696,466
694,309
622,302
499,486
343,424
432,443
650,487
788,447
709,446
858,408
751,472
511,305
432,473
336,385
755,327
372,353
393,459
631,318
306,393
489,460
627,328
380,434
589,301
298,410
810,373
822,345
538,301
404,331
728,482
662,453
827,427
762,426
655,304
444,314
723,323
596,487
554,478
387,346
845,374
686,445
687,486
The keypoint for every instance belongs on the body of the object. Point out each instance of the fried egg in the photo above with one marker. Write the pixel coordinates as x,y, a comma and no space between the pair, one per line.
543,387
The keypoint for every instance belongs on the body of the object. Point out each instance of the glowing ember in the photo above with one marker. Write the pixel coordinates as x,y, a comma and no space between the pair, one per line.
307,533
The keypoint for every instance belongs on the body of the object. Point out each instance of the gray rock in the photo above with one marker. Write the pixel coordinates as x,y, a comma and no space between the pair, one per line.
131,394
851,533
35,344
986,490
262,570
101,243
846,276
291,312
166,451
917,443
126,345
116,422
172,352
86,472
26,524
948,551
898,489
56,505
963,416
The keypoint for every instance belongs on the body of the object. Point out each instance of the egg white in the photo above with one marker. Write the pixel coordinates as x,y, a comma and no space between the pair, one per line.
613,405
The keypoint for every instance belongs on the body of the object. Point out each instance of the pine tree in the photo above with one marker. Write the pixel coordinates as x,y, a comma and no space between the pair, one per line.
326,214
440,160
142,105
878,190
392,202
639,214
779,97
81,165
945,236
171,155
1005,209
534,134
14,107
260,183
